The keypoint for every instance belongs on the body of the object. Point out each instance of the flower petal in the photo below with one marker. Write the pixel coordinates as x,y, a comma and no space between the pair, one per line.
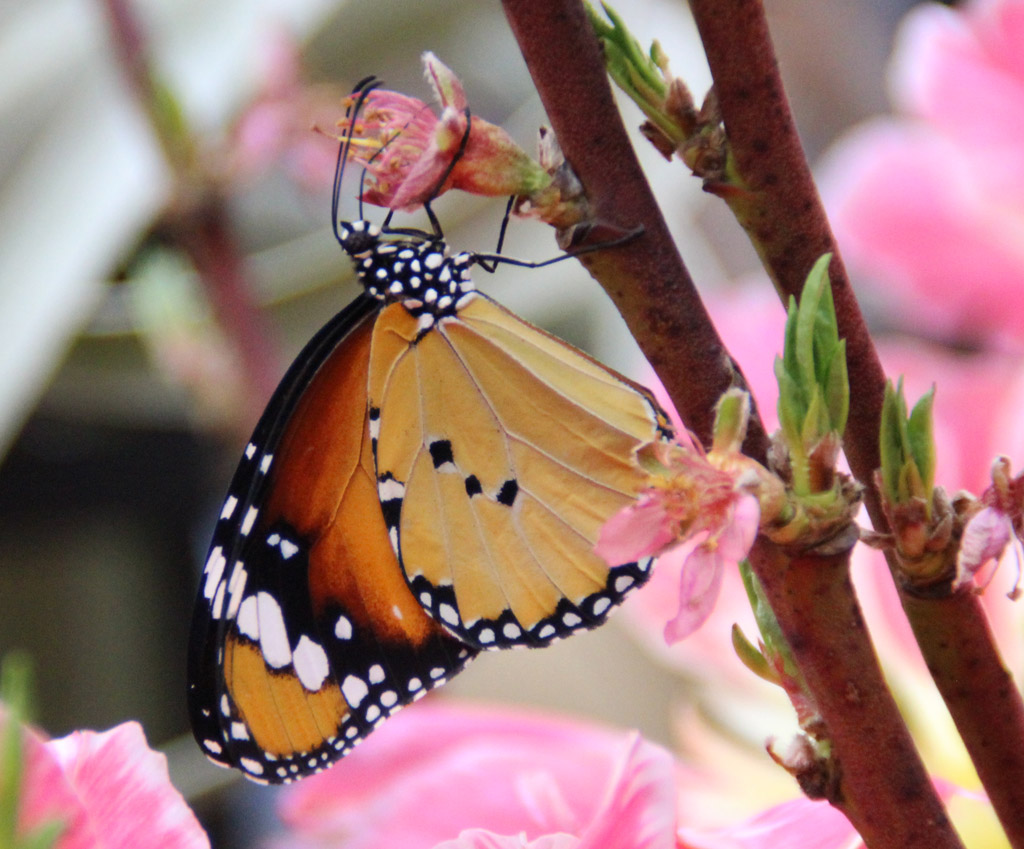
636,531
985,538
126,792
800,824
699,586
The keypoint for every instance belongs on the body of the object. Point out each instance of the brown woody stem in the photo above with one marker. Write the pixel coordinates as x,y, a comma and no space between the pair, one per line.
785,219
883,786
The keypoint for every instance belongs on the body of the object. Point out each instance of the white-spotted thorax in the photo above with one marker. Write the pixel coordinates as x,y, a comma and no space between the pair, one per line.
417,271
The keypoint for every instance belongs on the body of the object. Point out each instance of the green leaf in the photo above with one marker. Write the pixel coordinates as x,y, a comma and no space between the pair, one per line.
836,388
921,437
775,644
890,439
791,407
814,390
15,677
906,446
637,73
750,656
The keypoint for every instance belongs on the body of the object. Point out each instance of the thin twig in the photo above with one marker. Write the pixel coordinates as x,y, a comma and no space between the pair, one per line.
197,221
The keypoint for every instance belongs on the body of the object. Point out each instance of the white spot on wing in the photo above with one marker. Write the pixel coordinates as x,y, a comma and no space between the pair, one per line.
376,673
623,583
249,765
354,690
448,614
265,462
236,586
247,522
288,549
601,605
571,620
229,507
239,731
250,449
310,662
390,489
511,630
343,628
214,571
218,601
248,620
273,634
213,746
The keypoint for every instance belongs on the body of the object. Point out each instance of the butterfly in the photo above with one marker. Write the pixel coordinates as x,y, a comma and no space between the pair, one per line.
428,481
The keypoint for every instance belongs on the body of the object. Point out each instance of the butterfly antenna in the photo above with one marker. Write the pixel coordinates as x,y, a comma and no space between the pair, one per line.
363,88
463,144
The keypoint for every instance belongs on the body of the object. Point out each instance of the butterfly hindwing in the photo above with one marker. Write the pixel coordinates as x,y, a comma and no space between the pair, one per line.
306,635
501,452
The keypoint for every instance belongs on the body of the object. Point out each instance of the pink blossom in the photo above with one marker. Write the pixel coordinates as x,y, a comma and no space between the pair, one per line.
109,789
458,777
927,205
997,525
441,776
985,538
408,151
704,566
699,509
799,824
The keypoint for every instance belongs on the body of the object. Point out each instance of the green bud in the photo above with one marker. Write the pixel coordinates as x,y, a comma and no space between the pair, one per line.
907,446
642,76
731,417
814,392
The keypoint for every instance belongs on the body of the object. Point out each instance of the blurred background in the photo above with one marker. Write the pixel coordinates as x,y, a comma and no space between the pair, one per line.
124,398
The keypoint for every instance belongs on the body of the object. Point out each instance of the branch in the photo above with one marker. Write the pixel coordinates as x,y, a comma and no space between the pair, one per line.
197,222
884,787
786,220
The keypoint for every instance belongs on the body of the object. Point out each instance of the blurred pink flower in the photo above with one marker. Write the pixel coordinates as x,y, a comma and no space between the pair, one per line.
109,789
799,823
447,777
275,129
440,776
928,206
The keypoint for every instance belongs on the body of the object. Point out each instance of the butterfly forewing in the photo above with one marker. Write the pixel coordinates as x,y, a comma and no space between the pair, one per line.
305,634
